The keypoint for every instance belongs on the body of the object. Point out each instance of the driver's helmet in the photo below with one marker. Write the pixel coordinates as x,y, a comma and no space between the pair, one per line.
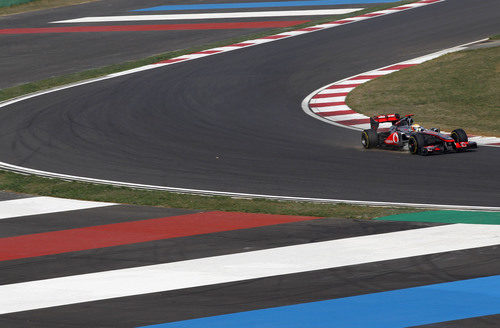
416,128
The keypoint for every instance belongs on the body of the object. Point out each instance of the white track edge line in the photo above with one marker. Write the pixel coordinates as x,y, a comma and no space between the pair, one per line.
24,170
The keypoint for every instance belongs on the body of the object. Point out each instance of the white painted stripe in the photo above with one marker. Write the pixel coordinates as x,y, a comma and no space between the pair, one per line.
260,41
251,265
341,90
358,81
347,117
485,140
43,205
383,12
363,126
295,33
380,72
330,108
327,100
326,25
137,18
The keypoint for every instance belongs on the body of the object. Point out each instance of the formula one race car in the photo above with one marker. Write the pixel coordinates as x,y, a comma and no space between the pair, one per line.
404,133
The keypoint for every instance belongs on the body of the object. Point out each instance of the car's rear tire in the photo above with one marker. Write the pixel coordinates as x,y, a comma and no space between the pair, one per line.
369,138
416,144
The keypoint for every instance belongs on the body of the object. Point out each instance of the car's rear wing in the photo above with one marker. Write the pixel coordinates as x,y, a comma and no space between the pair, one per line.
377,119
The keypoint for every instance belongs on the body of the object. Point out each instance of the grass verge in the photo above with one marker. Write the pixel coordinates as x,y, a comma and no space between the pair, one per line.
66,189
39,5
52,82
458,90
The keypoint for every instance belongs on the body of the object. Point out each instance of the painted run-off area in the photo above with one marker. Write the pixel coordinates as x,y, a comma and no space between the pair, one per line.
398,308
447,217
244,266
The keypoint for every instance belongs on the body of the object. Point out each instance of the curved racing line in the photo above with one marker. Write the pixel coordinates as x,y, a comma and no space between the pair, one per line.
219,50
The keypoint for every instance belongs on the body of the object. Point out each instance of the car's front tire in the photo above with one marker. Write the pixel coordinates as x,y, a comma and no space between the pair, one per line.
459,135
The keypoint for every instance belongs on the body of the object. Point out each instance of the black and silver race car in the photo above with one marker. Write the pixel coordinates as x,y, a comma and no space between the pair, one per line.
404,133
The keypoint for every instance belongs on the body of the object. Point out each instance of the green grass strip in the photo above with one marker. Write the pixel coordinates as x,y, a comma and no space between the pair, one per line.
34,185
22,6
8,3
447,217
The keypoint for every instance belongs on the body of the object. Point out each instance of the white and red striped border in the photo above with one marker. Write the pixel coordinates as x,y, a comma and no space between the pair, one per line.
224,49
328,103
293,33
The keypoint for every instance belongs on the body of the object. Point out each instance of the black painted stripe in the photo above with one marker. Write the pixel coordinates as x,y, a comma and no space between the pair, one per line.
266,292
10,196
186,248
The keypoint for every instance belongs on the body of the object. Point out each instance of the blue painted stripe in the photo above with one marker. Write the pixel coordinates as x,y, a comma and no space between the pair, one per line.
398,308
259,4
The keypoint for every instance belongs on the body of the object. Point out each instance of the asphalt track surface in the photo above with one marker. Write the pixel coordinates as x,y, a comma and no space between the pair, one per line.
233,122
30,57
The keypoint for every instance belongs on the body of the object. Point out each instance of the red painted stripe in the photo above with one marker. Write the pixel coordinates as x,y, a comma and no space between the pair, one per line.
275,37
175,60
339,112
343,21
243,44
329,95
207,52
327,104
354,122
428,1
163,27
494,144
343,86
365,77
399,8
371,15
72,240
310,29
397,67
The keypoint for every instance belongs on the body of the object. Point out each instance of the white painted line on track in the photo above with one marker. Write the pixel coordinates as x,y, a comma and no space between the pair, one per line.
137,18
43,205
25,170
251,265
